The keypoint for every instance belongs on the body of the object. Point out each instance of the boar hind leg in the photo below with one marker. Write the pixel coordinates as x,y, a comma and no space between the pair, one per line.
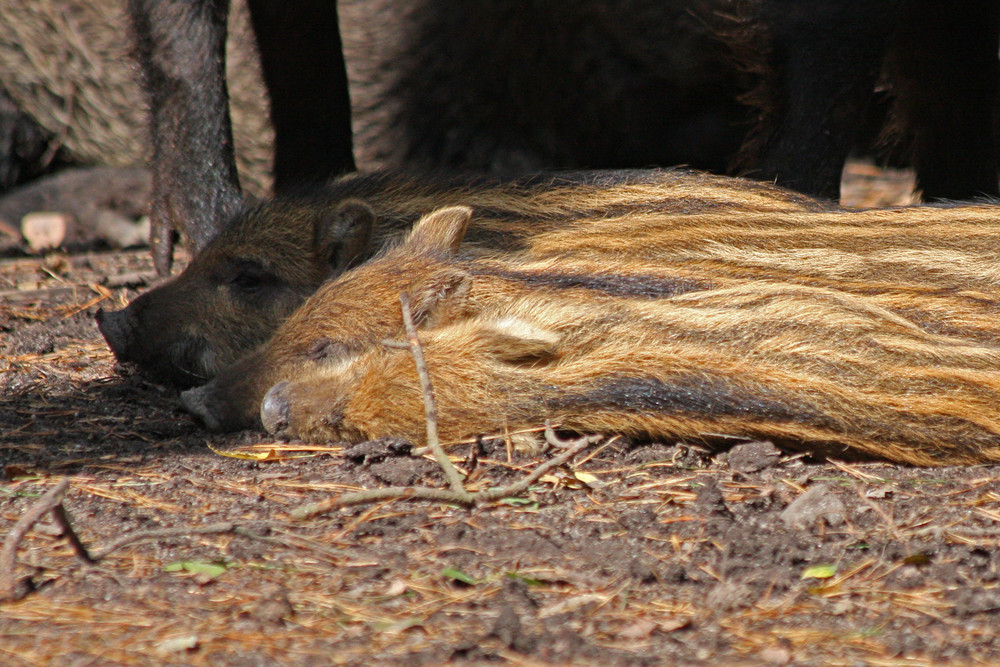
181,49
945,74
824,60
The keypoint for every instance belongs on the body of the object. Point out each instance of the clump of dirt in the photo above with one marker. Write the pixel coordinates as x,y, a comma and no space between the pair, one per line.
632,554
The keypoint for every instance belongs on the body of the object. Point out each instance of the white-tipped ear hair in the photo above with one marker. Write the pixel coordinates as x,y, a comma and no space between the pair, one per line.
514,340
440,298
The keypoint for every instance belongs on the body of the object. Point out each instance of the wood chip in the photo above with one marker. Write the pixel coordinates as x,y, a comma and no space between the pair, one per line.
44,230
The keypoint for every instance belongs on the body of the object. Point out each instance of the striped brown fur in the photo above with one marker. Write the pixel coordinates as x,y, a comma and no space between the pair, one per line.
848,332
273,255
811,368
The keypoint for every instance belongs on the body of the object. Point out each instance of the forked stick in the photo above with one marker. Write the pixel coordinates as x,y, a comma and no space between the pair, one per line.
457,493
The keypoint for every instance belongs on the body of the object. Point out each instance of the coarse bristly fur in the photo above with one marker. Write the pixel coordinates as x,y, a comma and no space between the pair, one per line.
856,333
810,368
239,288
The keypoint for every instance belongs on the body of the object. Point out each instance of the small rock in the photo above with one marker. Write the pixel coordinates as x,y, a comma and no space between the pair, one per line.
673,624
507,627
273,609
44,230
402,471
775,656
396,588
709,497
969,601
640,570
177,644
120,231
375,451
753,456
728,596
818,503
637,520
640,628
840,608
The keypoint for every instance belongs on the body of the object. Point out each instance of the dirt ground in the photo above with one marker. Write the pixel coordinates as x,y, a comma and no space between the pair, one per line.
630,555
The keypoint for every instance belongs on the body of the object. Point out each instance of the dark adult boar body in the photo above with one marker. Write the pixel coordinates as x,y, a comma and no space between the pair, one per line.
272,256
503,87
820,62
477,85
923,273
518,87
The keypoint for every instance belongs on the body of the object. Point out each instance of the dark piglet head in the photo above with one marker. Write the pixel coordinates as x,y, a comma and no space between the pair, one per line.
238,290
346,316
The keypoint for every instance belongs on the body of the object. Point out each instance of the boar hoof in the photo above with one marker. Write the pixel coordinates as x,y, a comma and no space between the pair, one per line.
275,409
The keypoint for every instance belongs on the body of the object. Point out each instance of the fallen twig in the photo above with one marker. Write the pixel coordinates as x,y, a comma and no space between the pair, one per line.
66,527
9,589
161,533
430,407
517,487
19,296
443,495
130,279
457,493
52,502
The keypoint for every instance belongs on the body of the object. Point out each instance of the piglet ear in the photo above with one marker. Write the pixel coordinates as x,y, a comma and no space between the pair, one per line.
440,231
345,237
516,341
441,298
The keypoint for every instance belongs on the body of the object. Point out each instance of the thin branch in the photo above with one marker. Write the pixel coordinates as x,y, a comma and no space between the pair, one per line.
62,519
387,493
161,533
571,449
517,487
8,554
430,407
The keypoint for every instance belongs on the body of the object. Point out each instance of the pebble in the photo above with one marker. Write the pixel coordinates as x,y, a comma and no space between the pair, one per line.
818,503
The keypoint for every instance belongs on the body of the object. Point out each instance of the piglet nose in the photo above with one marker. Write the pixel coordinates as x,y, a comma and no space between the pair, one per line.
116,328
276,408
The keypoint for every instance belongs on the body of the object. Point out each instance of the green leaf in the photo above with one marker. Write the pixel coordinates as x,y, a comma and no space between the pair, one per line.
529,581
516,501
458,575
197,567
819,572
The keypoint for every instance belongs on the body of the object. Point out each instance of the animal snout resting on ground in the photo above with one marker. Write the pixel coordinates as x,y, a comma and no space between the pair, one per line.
271,256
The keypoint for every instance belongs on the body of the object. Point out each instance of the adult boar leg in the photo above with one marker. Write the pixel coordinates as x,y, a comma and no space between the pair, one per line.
180,45
946,73
303,65
825,59
181,50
